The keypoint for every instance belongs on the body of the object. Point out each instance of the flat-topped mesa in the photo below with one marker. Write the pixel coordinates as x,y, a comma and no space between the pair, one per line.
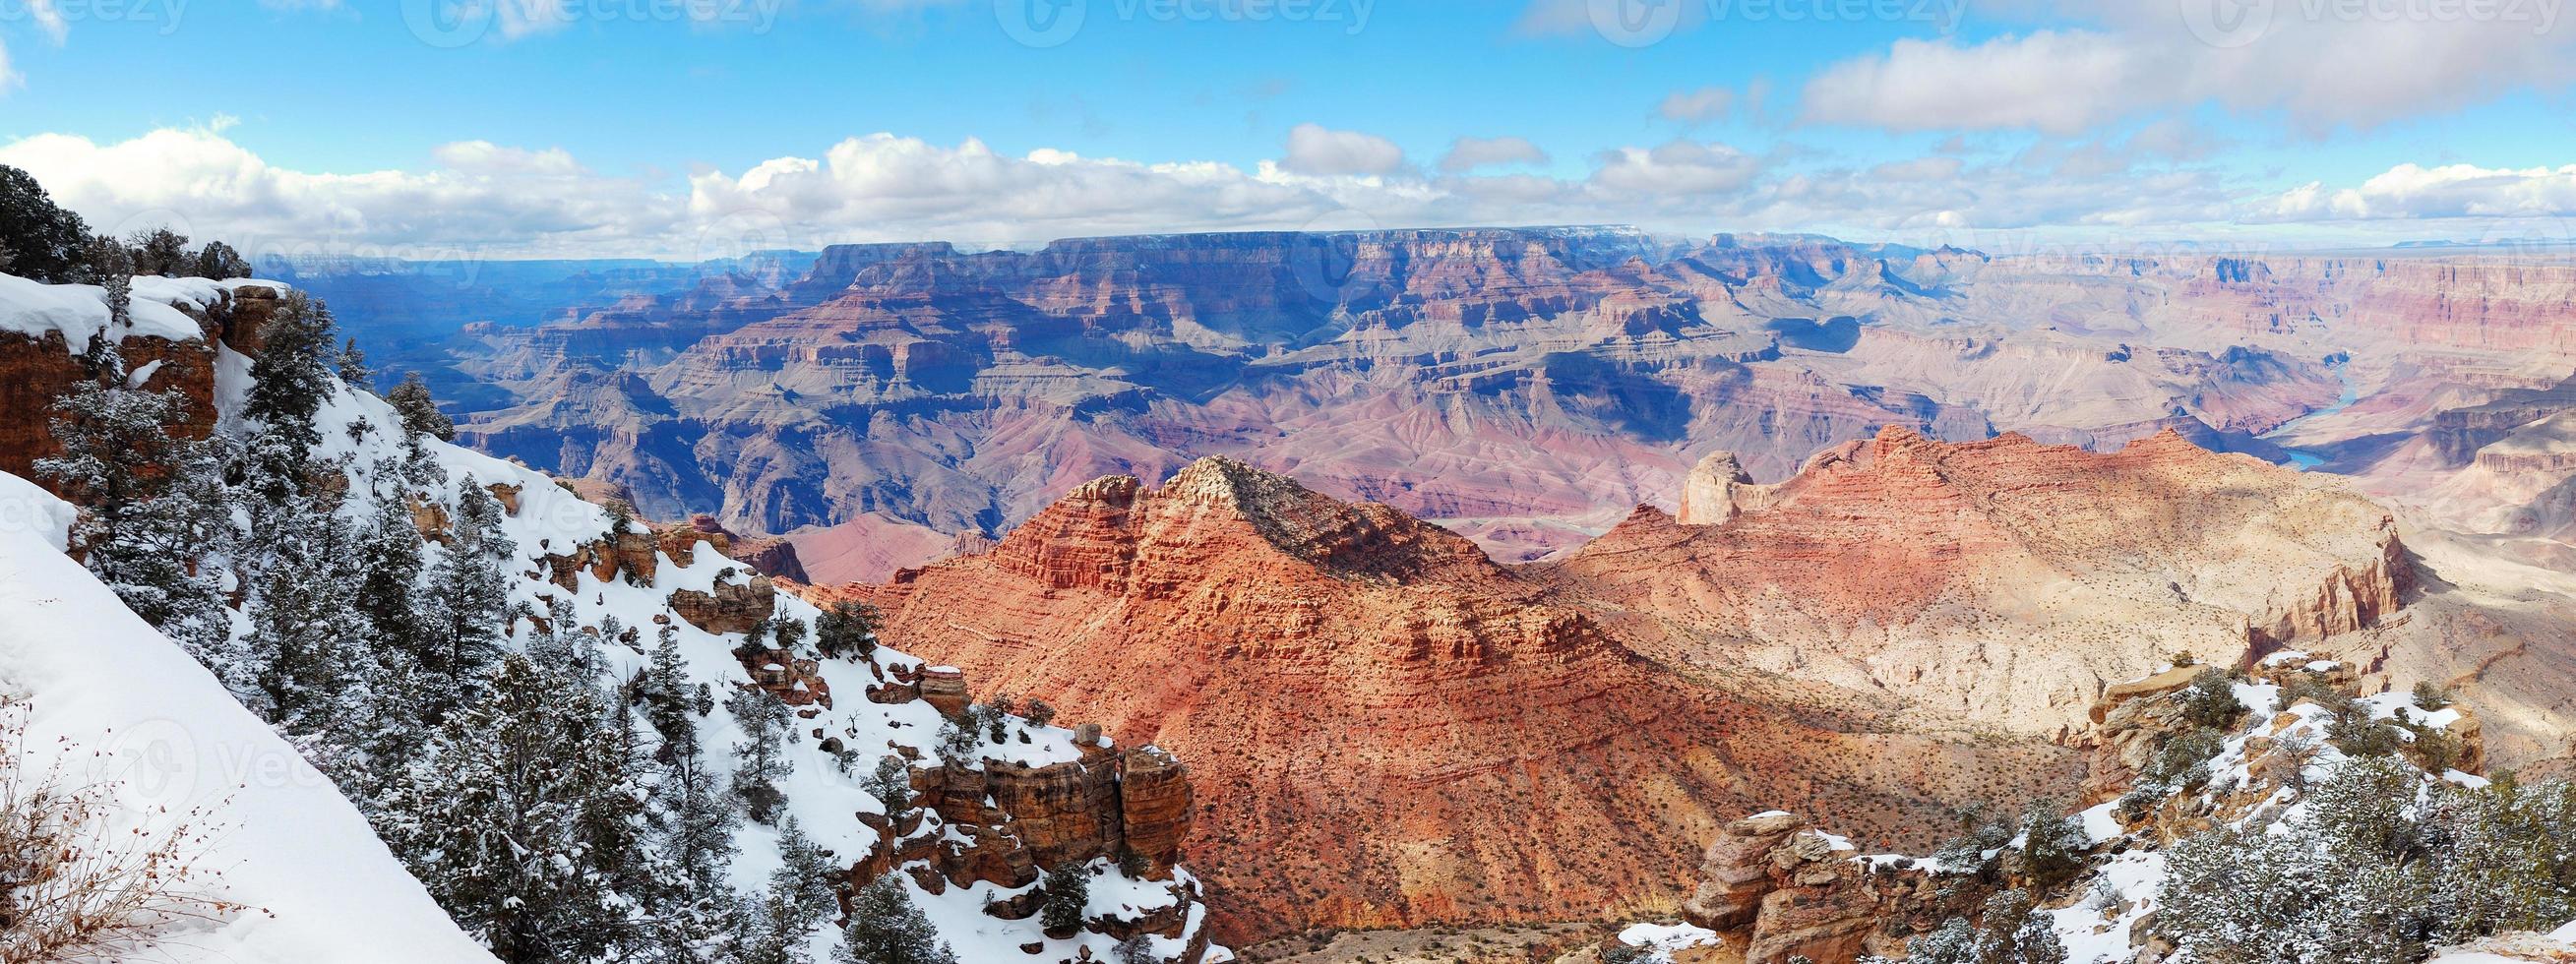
2002,579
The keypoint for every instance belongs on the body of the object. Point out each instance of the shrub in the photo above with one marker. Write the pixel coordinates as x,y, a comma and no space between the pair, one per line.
74,883
2431,695
2210,700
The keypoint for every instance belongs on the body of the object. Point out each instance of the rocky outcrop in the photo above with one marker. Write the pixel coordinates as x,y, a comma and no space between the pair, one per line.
1708,493
733,607
2351,598
36,370
1792,891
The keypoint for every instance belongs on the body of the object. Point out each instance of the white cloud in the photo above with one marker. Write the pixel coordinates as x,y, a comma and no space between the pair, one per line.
481,198
2318,65
2410,191
2057,82
208,186
1697,106
48,15
1319,150
1469,153
1677,167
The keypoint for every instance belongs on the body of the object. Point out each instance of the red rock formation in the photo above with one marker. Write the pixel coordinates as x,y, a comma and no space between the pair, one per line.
2002,579
34,372
1385,727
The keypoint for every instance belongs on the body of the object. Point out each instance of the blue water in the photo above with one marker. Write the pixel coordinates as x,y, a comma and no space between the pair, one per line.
2305,459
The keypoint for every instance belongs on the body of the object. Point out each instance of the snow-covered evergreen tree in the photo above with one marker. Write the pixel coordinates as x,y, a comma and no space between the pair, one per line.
420,415
154,508
885,928
759,759
524,818
466,600
1068,893
290,379
307,632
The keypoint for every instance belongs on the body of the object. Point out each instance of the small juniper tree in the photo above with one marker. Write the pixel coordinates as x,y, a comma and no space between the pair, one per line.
891,784
848,630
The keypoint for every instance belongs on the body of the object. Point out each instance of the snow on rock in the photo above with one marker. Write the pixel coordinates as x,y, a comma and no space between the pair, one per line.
1663,939
33,308
113,701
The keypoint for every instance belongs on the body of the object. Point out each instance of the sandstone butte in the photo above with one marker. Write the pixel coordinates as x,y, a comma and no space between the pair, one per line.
1386,728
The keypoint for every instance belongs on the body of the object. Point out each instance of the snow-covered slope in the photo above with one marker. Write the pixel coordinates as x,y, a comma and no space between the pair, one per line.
105,690
828,804
113,701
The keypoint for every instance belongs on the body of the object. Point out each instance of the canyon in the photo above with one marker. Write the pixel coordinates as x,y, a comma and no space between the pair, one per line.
1482,575
1392,729
1525,385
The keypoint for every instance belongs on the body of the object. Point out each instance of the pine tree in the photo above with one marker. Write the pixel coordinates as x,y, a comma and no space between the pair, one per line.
164,252
290,380
44,239
805,870
891,785
761,759
1068,898
219,261
664,692
352,365
306,629
390,561
466,599
420,414
885,928
698,824
153,508
800,893
522,818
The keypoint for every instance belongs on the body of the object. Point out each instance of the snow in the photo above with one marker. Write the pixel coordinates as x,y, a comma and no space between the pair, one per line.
26,509
33,308
1664,939
113,701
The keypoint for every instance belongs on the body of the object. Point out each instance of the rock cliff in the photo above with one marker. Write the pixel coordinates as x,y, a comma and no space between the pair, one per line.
2001,580
1385,727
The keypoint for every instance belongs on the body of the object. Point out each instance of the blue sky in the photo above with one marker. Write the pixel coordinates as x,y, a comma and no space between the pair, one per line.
632,126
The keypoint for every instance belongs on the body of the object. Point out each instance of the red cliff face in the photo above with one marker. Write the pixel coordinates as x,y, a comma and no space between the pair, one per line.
1384,727
35,372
